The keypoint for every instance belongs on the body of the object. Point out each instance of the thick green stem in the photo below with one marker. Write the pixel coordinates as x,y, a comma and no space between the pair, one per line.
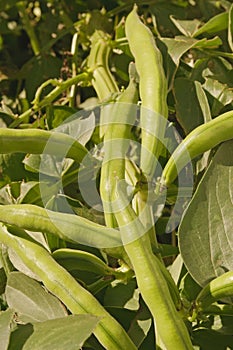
51,97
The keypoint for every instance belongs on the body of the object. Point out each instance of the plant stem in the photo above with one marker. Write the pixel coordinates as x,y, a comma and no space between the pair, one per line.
28,27
58,90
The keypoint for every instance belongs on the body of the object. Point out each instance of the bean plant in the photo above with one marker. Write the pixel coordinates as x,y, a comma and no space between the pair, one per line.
116,145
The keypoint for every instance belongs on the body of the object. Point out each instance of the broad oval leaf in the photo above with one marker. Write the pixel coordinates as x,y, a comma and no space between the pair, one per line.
6,318
214,25
205,233
64,333
30,300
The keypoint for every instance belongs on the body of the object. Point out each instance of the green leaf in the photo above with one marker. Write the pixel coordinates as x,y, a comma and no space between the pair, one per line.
203,102
220,69
6,196
122,296
176,269
212,340
167,249
189,113
218,75
58,114
6,318
186,27
162,11
41,69
32,163
19,336
30,300
223,324
214,25
10,162
79,126
2,280
189,288
25,188
64,333
223,95
205,232
20,192
29,192
140,325
17,262
50,166
204,105
180,44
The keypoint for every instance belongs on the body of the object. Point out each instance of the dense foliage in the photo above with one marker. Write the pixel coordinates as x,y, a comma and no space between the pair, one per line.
72,189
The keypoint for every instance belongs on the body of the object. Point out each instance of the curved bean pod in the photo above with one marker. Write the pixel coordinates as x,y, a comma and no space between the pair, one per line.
85,261
36,141
69,227
152,88
219,288
200,140
60,283
103,80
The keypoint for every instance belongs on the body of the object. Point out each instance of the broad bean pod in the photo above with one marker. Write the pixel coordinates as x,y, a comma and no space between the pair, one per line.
171,332
219,288
85,261
97,62
122,115
200,140
151,280
105,87
152,88
69,227
60,283
37,141
153,116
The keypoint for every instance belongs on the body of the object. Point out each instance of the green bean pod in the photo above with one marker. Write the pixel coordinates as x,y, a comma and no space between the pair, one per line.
154,288
84,261
121,117
152,88
217,289
69,227
60,283
36,141
200,140
171,332
102,81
